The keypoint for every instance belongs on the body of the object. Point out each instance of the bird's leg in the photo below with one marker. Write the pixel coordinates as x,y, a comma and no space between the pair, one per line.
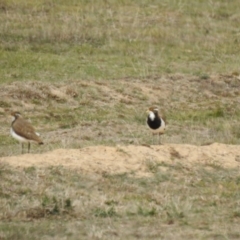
159,139
22,147
28,147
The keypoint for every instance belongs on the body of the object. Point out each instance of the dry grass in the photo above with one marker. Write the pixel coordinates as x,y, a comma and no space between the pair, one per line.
84,73
175,203
82,113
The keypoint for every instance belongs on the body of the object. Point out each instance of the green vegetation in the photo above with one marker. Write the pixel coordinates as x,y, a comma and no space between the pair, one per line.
64,40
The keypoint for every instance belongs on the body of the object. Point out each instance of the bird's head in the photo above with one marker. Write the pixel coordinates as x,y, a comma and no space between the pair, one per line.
152,110
15,115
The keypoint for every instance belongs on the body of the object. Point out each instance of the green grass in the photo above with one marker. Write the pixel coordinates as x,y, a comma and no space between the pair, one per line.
46,41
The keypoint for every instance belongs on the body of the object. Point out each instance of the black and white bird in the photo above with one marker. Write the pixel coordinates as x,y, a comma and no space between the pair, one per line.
23,131
155,122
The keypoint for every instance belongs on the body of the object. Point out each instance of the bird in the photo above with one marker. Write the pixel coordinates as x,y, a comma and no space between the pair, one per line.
23,131
155,122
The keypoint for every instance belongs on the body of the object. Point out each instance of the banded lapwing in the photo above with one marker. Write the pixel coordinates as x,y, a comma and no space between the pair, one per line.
155,122
23,131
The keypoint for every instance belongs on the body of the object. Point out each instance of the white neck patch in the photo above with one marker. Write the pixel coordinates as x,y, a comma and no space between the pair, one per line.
151,115
13,118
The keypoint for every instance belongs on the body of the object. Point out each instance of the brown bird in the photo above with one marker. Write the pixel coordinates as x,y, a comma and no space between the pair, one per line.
23,131
155,122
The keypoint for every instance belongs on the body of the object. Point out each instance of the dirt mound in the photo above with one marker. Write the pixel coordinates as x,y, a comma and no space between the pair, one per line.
121,159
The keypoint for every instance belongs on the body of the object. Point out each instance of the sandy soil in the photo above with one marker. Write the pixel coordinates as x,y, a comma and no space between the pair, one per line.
132,158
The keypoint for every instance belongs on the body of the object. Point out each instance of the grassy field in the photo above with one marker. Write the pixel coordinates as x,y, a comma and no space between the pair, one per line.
55,203
84,72
64,40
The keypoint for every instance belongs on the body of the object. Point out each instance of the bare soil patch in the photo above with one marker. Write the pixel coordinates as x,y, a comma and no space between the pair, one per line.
131,159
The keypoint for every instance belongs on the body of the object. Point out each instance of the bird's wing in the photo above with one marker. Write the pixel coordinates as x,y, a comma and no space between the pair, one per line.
27,128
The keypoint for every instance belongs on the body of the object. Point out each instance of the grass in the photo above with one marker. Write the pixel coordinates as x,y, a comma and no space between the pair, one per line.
46,41
113,112
57,202
84,72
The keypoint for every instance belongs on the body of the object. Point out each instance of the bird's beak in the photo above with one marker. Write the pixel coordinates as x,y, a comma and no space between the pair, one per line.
147,111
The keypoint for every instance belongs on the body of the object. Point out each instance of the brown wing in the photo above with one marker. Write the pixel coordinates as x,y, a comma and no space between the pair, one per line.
25,129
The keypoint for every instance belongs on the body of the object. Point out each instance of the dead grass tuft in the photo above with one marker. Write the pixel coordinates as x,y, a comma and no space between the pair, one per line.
175,154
